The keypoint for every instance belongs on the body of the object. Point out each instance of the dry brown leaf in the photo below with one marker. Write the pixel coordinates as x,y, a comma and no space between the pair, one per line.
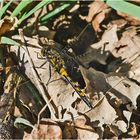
95,8
108,39
99,18
6,24
128,48
136,1
131,19
96,22
121,126
85,131
101,50
97,13
47,129
117,87
132,130
69,131
119,22
123,90
110,131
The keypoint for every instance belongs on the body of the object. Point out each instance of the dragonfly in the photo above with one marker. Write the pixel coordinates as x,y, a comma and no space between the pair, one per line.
61,60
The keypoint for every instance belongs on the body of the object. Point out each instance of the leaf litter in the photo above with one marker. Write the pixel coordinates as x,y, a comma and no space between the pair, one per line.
109,60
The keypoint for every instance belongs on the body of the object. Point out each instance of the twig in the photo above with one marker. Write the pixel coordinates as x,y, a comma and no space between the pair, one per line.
36,77
41,111
39,114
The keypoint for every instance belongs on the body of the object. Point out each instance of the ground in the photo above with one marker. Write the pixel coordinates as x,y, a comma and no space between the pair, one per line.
99,48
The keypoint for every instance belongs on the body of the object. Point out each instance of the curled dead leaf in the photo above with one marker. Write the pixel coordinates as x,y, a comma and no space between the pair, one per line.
97,13
95,8
119,22
6,24
131,19
99,18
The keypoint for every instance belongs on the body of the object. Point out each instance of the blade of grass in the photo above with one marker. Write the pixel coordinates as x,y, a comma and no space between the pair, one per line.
6,40
20,7
37,7
4,8
124,6
1,3
47,16
20,120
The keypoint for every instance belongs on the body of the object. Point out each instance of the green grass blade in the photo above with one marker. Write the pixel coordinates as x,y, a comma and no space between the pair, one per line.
23,121
40,5
125,7
6,40
1,3
47,16
4,8
20,7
